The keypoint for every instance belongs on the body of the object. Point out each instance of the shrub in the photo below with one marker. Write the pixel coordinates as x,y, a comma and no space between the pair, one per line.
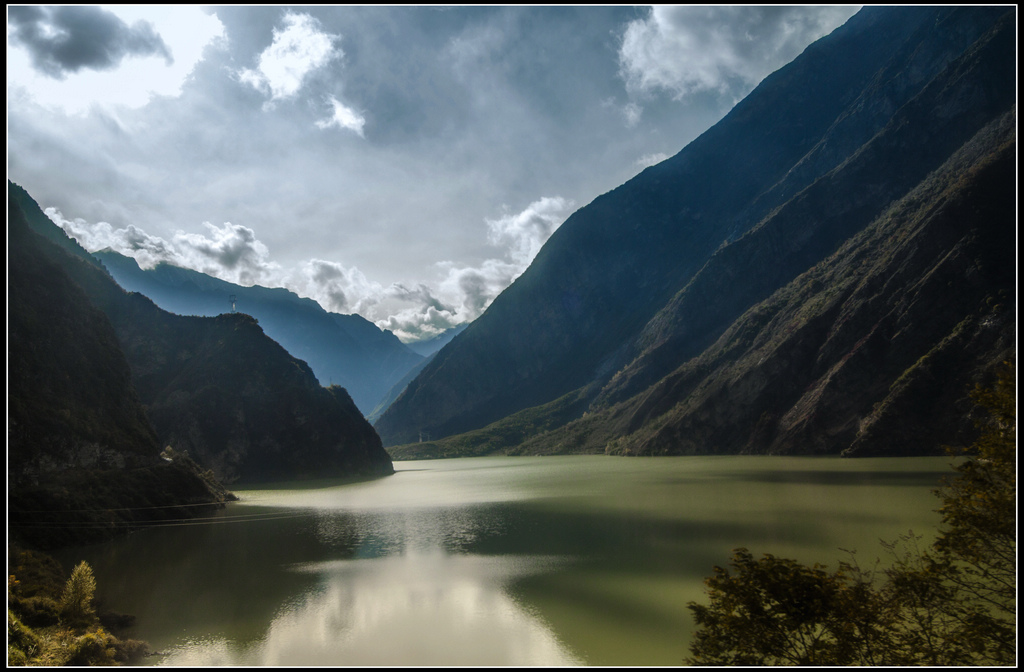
92,648
37,611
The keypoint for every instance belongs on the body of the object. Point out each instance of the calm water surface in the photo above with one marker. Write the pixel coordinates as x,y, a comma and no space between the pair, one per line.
581,560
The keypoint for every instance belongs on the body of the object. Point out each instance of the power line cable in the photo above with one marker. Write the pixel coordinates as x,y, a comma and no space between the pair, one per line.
170,522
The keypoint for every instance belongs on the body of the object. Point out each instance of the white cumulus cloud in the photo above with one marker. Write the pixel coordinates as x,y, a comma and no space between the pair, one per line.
728,50
343,117
338,288
232,252
525,232
298,49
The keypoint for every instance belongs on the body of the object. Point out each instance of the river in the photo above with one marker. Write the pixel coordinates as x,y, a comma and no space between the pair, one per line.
576,560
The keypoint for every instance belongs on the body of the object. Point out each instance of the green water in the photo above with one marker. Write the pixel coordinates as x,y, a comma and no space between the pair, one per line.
582,560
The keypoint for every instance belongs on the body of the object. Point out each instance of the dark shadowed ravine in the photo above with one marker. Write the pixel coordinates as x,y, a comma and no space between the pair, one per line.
575,560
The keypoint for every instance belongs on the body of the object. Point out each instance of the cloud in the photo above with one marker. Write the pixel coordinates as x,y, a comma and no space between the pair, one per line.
297,50
428,316
187,31
343,117
233,252
632,112
66,39
421,294
727,50
524,233
650,159
466,291
337,288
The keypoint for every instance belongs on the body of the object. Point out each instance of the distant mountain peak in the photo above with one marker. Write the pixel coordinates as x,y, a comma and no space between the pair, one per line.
347,350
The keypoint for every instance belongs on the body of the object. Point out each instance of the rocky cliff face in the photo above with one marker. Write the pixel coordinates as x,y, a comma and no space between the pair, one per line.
221,391
629,300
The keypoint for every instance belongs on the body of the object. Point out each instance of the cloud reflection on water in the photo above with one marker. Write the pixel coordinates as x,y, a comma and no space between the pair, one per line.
423,607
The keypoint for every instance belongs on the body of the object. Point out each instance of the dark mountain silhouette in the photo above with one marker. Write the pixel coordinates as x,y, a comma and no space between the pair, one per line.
218,388
345,350
83,461
871,351
651,276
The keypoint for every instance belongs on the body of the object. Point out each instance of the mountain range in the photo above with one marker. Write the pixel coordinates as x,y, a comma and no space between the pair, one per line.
344,350
120,411
827,270
83,460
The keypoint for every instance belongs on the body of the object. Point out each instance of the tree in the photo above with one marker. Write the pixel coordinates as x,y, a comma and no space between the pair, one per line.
976,552
952,604
776,611
76,600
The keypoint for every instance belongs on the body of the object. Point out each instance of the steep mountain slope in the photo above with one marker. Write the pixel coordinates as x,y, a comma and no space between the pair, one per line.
428,348
809,158
870,352
222,391
345,350
934,123
82,457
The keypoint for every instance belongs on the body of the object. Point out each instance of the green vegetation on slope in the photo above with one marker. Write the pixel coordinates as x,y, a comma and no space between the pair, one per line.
505,437
812,156
868,352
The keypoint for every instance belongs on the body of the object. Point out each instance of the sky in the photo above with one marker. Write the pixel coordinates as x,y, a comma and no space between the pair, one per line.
402,163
